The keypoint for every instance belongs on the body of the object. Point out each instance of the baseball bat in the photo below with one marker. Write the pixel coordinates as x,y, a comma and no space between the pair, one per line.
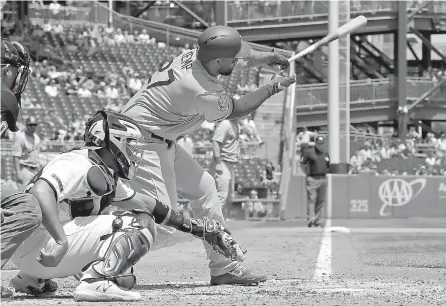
347,28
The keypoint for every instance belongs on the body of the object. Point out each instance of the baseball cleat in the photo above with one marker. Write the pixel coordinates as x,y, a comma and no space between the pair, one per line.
6,293
238,276
103,290
48,289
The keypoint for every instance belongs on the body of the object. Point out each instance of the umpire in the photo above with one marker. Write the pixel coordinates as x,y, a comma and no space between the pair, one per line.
316,164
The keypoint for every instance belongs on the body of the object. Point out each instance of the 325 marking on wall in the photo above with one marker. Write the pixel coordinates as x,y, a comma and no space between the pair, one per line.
359,206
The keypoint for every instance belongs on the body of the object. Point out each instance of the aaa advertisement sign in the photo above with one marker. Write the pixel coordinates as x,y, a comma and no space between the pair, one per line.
370,196
397,192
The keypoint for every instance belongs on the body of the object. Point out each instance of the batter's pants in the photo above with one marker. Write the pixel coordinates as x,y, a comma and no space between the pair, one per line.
316,189
26,174
168,169
225,185
19,226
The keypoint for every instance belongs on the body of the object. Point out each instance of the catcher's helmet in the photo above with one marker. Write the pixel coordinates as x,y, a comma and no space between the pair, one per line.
15,54
119,134
221,42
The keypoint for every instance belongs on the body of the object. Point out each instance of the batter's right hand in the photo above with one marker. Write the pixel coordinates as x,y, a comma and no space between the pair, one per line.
53,257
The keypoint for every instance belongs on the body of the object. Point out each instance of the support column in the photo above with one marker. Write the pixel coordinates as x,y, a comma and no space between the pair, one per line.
334,133
401,68
426,58
221,12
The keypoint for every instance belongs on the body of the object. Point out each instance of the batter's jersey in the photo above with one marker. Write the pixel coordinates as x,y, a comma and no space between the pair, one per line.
178,98
227,134
67,176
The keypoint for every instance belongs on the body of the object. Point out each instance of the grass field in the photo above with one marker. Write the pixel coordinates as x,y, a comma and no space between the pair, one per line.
356,262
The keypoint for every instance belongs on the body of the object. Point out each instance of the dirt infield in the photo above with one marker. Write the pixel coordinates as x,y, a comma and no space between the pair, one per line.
357,269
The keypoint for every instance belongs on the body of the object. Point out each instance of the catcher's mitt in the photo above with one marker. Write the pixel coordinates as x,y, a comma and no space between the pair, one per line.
218,238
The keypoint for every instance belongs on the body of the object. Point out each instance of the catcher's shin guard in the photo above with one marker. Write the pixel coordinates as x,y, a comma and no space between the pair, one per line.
133,235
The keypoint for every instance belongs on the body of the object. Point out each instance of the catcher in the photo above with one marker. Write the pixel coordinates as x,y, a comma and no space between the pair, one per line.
73,190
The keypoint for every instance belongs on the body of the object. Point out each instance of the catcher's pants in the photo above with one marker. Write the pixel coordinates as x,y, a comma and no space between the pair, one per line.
25,220
225,185
83,235
166,169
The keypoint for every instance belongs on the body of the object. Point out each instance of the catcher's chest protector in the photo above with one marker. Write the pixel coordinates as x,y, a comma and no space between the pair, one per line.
102,184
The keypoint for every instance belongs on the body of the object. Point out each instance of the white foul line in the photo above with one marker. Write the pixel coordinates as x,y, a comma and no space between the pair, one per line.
323,263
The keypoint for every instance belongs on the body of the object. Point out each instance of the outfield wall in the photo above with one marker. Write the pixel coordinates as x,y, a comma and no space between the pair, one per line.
371,196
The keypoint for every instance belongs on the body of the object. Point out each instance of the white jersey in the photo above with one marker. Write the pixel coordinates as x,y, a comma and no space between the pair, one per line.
178,98
67,176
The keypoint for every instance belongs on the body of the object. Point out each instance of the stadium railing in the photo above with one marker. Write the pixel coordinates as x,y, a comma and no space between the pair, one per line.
89,12
379,90
253,11
261,11
248,149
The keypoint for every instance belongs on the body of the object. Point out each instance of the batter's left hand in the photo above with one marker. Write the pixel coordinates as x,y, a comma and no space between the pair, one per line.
279,60
53,257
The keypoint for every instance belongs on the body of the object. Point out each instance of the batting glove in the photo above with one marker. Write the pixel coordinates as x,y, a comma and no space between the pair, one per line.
278,60
279,82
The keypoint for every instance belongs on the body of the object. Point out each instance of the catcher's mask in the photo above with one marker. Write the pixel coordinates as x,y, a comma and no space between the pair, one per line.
18,57
120,135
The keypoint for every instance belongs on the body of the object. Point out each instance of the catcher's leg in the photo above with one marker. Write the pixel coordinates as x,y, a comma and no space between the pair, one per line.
108,278
83,235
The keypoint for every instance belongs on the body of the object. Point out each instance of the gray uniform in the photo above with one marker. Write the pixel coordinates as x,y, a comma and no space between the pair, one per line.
18,227
227,135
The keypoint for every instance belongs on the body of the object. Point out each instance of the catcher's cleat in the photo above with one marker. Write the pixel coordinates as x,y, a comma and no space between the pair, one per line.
238,276
21,284
103,290
6,293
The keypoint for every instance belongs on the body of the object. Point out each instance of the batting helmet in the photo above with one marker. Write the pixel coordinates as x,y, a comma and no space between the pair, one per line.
221,42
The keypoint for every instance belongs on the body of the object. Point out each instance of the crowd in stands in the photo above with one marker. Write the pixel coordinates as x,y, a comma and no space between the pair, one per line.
414,155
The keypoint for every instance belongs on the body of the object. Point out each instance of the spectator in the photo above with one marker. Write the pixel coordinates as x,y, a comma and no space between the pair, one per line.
304,138
412,133
52,89
356,161
431,159
119,37
47,27
253,207
134,83
111,92
441,148
83,92
136,37
55,7
144,38
58,29
129,38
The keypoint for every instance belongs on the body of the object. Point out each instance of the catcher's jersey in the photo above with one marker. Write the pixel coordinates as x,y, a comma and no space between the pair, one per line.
178,98
67,176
